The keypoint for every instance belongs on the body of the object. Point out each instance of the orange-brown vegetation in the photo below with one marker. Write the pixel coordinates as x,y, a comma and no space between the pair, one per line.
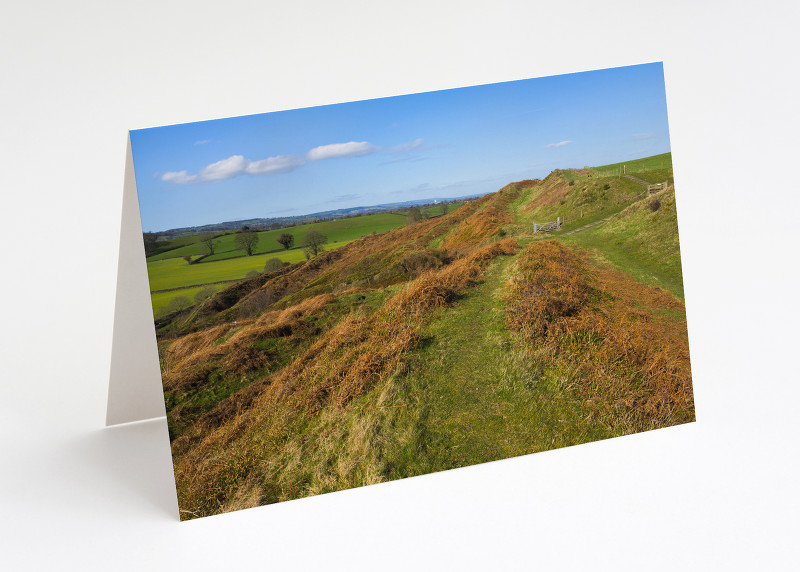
552,191
357,352
346,360
190,359
483,224
281,366
626,343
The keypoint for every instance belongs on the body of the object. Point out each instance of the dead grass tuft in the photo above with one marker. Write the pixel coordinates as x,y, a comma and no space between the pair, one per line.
189,360
475,229
623,341
553,190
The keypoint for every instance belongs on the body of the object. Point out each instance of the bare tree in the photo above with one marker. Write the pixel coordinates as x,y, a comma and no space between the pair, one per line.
246,239
207,240
313,243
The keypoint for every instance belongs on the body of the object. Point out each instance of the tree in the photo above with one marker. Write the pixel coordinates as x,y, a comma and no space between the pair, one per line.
207,240
188,258
443,206
312,243
272,265
413,215
246,239
150,239
286,240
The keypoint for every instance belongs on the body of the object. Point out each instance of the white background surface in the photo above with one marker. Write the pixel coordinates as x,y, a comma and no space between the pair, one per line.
717,494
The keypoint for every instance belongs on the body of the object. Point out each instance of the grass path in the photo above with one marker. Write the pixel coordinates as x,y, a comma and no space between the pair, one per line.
591,224
481,400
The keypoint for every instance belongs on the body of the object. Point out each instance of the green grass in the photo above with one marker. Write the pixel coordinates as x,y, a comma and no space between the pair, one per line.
184,408
337,231
437,209
177,273
161,299
635,166
468,397
470,390
656,176
477,398
640,242
588,200
162,246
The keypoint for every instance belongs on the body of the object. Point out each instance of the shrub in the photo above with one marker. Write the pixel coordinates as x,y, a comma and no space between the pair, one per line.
606,187
413,215
654,205
273,264
175,304
188,258
203,293
572,183
253,274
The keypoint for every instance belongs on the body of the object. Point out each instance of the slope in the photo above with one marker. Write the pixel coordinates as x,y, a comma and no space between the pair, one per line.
449,342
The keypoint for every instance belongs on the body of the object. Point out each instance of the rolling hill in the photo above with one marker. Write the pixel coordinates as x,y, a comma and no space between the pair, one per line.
456,340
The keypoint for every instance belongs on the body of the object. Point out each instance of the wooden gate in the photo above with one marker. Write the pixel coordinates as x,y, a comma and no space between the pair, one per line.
547,226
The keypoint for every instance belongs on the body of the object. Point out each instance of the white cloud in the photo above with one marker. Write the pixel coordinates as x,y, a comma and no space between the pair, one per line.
403,147
233,166
559,144
350,149
237,165
202,142
277,164
178,177
224,169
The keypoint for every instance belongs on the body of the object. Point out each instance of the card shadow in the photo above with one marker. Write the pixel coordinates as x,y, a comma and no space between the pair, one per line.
135,459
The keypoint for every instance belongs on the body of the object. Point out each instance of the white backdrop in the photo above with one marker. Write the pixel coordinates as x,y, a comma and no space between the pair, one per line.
717,494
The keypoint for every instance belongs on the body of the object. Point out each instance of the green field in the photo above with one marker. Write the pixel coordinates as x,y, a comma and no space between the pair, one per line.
436,210
161,300
641,241
169,271
177,273
337,231
663,161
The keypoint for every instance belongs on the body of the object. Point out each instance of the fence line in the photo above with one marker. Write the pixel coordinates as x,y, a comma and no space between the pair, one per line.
650,189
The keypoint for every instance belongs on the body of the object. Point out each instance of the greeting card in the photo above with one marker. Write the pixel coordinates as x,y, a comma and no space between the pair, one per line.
355,293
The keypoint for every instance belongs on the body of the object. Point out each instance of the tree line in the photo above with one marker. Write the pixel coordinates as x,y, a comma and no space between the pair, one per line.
247,239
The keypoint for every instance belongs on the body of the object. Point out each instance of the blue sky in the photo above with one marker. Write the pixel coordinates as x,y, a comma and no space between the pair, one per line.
431,145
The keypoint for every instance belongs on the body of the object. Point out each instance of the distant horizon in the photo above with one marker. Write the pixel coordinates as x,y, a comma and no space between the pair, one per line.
434,200
436,145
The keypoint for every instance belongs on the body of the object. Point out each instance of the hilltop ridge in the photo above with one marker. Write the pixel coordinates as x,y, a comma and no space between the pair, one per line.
453,340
